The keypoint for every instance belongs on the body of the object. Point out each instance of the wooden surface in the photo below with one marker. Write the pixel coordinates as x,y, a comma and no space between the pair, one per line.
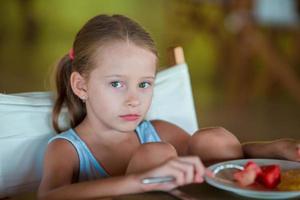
196,191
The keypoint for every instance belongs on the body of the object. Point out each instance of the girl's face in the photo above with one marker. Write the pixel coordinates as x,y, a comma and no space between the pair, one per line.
120,88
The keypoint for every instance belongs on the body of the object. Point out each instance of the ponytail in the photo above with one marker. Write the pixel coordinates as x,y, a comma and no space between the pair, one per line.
65,96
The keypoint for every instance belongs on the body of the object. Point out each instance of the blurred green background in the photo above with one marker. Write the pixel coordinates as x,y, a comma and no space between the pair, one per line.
244,62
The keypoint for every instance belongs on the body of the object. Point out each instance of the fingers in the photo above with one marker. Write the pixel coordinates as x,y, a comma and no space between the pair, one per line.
209,173
187,169
297,155
290,150
298,152
183,172
198,166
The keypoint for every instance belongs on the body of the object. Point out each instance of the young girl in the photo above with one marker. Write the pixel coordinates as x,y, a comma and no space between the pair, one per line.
106,83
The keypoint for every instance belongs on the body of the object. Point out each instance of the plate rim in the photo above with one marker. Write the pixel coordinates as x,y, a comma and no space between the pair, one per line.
244,191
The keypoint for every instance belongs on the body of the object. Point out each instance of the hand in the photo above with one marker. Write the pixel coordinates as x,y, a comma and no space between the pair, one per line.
289,149
186,170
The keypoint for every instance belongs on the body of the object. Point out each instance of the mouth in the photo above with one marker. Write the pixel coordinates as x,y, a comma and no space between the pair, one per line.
130,117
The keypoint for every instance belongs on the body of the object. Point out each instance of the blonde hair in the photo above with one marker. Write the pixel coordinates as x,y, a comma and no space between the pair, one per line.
95,33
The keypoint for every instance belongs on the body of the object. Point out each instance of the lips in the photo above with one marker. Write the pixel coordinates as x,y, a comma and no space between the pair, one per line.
130,117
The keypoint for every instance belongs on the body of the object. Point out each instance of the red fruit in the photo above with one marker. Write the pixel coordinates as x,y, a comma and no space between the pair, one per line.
270,176
253,166
245,177
248,175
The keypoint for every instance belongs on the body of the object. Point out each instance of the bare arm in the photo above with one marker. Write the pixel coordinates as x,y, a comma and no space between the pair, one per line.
61,164
95,189
280,149
174,135
260,149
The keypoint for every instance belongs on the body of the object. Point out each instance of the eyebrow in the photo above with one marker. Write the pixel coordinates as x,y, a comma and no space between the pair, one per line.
121,76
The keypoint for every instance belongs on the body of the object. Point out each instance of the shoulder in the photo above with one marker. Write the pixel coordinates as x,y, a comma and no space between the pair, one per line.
61,164
60,148
172,134
62,145
167,129
57,152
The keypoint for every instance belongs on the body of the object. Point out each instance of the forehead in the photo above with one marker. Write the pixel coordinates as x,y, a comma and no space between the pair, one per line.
124,58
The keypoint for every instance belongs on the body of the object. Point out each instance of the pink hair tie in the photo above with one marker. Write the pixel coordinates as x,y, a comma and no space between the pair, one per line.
71,54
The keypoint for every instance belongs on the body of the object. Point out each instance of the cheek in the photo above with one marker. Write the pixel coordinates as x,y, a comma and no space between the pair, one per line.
147,98
112,99
104,99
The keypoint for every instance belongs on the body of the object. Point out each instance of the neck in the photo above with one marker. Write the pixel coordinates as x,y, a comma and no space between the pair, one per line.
101,133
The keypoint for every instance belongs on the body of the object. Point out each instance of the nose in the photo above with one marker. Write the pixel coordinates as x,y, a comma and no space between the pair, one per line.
133,99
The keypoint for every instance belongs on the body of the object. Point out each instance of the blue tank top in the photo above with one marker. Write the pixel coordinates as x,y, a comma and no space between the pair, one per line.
89,167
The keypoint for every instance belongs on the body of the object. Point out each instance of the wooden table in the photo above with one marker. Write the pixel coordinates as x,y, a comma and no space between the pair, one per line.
197,191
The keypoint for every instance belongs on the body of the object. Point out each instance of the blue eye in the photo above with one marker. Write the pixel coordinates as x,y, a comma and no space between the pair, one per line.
144,85
116,84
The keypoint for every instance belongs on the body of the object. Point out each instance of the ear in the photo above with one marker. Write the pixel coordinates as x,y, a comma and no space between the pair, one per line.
79,85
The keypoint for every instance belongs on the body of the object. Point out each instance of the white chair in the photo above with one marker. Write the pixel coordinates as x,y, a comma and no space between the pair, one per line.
25,125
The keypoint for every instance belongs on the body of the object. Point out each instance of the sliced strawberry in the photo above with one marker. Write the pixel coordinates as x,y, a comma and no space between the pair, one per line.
253,166
270,176
245,177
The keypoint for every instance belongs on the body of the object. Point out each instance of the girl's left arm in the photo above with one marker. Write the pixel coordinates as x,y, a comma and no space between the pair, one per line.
174,135
282,149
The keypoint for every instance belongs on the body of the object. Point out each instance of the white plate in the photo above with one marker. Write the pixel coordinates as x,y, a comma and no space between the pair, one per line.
224,179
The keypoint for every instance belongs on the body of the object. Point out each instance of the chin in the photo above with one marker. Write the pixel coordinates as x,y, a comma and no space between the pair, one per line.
128,126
